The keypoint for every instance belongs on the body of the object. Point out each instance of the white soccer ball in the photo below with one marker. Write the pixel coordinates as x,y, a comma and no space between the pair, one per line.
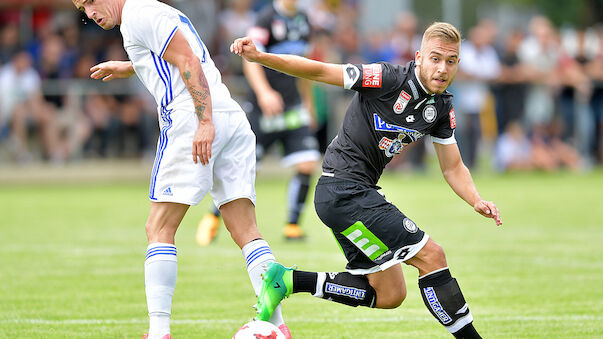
258,329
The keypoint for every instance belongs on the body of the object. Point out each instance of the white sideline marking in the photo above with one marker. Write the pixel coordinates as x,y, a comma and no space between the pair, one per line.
290,319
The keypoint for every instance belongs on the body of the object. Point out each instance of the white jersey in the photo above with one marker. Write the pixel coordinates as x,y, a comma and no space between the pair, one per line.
147,27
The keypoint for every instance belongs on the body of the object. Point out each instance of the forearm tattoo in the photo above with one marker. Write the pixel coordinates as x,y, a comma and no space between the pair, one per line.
199,97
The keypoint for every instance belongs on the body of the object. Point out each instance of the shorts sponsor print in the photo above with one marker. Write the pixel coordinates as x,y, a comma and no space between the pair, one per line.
372,233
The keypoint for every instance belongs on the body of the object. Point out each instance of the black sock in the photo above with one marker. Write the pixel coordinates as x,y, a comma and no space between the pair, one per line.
467,332
342,287
443,298
304,281
296,196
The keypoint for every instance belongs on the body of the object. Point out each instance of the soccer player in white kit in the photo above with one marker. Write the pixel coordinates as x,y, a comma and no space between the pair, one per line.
205,144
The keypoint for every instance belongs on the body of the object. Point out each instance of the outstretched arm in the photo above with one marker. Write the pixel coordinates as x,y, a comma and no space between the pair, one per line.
294,65
110,70
458,177
180,54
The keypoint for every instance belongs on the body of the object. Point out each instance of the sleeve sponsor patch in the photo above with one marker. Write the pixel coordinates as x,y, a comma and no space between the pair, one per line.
452,119
351,74
372,75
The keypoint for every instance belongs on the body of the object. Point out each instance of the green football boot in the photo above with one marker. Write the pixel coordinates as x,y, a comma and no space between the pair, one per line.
277,285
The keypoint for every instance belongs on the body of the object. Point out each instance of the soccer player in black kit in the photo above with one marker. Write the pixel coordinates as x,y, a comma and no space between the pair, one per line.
394,106
279,115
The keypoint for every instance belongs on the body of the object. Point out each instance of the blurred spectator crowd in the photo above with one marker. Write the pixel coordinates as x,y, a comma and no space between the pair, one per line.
525,98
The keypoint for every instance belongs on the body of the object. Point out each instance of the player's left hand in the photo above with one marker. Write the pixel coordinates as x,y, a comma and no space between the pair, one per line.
204,137
489,210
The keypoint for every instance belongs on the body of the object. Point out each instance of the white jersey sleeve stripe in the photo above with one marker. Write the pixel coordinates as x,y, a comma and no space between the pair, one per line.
168,41
194,31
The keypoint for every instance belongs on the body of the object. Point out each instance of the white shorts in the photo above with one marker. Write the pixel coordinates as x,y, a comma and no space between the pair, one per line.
230,174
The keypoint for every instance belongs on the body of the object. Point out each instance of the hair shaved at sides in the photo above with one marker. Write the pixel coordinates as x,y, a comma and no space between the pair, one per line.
443,31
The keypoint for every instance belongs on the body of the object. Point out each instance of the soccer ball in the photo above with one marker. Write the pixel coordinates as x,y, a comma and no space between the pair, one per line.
258,329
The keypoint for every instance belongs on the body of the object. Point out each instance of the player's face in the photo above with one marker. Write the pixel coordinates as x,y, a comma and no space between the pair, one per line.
437,62
103,12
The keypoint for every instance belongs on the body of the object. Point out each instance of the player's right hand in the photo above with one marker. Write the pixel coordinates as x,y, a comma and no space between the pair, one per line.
489,210
110,70
245,48
271,103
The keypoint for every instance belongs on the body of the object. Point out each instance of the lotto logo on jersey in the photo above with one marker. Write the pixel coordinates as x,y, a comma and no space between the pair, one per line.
452,119
401,103
371,75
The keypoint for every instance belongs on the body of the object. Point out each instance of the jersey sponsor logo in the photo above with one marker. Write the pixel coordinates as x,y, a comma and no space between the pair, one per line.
409,225
430,113
401,103
346,291
452,119
434,303
371,75
381,125
413,88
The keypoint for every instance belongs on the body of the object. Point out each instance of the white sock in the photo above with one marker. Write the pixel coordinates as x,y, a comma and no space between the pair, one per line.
257,254
160,270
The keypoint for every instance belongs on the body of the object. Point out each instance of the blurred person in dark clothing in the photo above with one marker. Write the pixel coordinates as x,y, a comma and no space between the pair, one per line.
594,68
510,88
9,42
282,111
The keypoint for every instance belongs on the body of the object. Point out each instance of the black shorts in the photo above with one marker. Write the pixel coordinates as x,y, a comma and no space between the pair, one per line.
372,233
298,142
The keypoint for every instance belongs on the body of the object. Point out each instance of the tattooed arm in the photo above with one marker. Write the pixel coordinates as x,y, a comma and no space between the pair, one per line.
180,54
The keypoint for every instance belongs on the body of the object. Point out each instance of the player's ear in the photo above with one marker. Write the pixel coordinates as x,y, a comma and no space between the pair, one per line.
418,58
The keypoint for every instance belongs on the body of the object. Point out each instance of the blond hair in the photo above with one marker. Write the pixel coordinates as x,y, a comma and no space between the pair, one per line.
443,31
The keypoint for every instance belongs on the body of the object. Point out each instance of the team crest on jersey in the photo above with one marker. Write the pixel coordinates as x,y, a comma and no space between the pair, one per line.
401,103
430,113
371,75
409,225
452,119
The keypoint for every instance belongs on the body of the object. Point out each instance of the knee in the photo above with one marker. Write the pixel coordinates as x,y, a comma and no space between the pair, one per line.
392,297
434,254
159,232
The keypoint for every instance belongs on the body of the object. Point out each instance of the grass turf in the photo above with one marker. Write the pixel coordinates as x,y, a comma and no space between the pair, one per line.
71,262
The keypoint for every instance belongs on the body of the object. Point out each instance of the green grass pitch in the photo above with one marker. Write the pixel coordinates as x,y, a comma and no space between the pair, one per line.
71,262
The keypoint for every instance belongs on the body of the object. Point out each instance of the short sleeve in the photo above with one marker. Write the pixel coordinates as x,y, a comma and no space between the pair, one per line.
443,132
153,28
371,80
